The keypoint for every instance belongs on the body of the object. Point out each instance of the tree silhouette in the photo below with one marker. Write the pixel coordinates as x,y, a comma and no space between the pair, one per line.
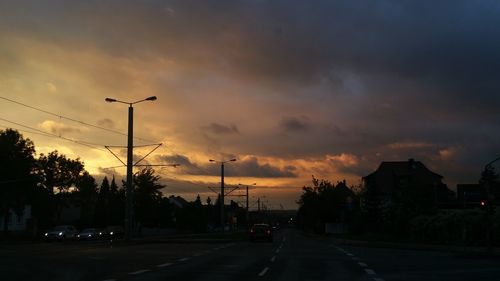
17,181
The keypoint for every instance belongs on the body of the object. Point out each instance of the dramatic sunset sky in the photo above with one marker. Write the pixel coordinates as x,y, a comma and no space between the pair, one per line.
290,88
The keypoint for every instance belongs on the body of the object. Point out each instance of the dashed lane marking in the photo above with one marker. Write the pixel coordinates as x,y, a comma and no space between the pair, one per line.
139,272
354,258
183,259
109,280
277,251
378,279
263,272
164,264
349,254
362,264
197,254
273,258
369,271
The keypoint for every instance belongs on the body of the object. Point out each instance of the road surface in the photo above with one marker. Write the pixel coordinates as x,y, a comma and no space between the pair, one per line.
292,256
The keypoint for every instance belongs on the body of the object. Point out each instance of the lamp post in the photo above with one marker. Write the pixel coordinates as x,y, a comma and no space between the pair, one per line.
130,147
222,188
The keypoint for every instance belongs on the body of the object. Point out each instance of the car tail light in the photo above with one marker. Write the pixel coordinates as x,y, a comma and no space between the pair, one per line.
268,231
252,230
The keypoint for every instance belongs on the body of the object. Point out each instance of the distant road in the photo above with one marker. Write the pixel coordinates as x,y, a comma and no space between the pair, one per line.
292,256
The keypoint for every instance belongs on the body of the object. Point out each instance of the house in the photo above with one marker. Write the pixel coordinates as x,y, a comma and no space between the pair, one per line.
393,177
17,222
177,201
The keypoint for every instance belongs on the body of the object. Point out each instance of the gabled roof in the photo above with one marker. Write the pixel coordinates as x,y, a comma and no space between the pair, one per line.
401,168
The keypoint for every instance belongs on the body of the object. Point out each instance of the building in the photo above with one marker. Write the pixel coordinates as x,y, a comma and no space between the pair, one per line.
395,177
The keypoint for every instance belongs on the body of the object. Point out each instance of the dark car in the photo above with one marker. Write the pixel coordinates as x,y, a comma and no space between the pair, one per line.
61,233
113,232
89,234
262,232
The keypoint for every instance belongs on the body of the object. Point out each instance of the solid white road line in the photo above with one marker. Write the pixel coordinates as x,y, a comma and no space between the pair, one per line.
362,264
273,258
263,272
378,279
164,264
183,259
139,272
370,271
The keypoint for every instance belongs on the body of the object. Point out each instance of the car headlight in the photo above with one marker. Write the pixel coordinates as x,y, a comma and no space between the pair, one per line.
100,233
46,234
60,233
111,233
78,235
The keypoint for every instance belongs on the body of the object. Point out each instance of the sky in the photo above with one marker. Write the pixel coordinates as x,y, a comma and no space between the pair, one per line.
291,89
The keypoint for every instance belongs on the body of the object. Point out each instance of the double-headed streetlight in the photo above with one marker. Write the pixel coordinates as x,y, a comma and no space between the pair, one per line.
130,147
222,188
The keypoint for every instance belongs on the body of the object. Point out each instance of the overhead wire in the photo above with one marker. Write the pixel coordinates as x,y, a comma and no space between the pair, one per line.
40,132
72,119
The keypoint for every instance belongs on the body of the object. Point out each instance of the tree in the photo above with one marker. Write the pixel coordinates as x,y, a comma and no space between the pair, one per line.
323,202
86,196
17,180
147,196
59,175
490,181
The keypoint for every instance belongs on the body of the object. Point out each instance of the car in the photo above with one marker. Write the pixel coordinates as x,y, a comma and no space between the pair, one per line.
89,234
261,231
61,233
113,232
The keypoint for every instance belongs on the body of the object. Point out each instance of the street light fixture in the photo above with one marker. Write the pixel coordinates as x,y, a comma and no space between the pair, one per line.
130,147
222,188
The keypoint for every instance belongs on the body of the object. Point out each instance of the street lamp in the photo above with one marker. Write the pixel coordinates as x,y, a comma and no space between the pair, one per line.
222,188
130,147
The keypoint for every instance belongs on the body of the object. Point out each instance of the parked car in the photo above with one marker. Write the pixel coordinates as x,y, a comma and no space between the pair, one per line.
261,231
113,232
61,233
89,234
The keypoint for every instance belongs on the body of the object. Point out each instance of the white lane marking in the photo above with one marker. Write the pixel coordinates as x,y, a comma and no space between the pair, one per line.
273,258
164,264
369,271
277,251
183,259
197,254
284,239
378,279
354,258
109,280
362,264
263,272
139,272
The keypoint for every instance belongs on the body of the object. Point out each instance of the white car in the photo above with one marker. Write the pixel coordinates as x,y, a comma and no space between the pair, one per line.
60,233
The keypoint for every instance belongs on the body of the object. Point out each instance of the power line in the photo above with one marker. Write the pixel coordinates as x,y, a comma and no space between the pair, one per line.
71,119
40,132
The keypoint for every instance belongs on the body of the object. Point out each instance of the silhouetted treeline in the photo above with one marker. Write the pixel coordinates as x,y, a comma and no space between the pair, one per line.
52,184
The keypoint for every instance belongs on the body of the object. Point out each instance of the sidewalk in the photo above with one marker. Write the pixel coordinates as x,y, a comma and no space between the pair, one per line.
420,247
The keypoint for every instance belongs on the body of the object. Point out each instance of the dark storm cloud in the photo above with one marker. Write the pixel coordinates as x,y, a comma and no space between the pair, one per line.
219,129
248,167
295,124
452,46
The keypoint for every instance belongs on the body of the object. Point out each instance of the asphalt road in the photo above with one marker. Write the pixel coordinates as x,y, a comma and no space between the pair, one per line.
292,256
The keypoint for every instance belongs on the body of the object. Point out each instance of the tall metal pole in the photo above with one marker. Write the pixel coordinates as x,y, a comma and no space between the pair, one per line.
130,147
248,217
222,195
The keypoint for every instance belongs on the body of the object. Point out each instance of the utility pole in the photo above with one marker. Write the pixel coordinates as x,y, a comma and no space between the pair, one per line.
222,196
222,189
130,146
